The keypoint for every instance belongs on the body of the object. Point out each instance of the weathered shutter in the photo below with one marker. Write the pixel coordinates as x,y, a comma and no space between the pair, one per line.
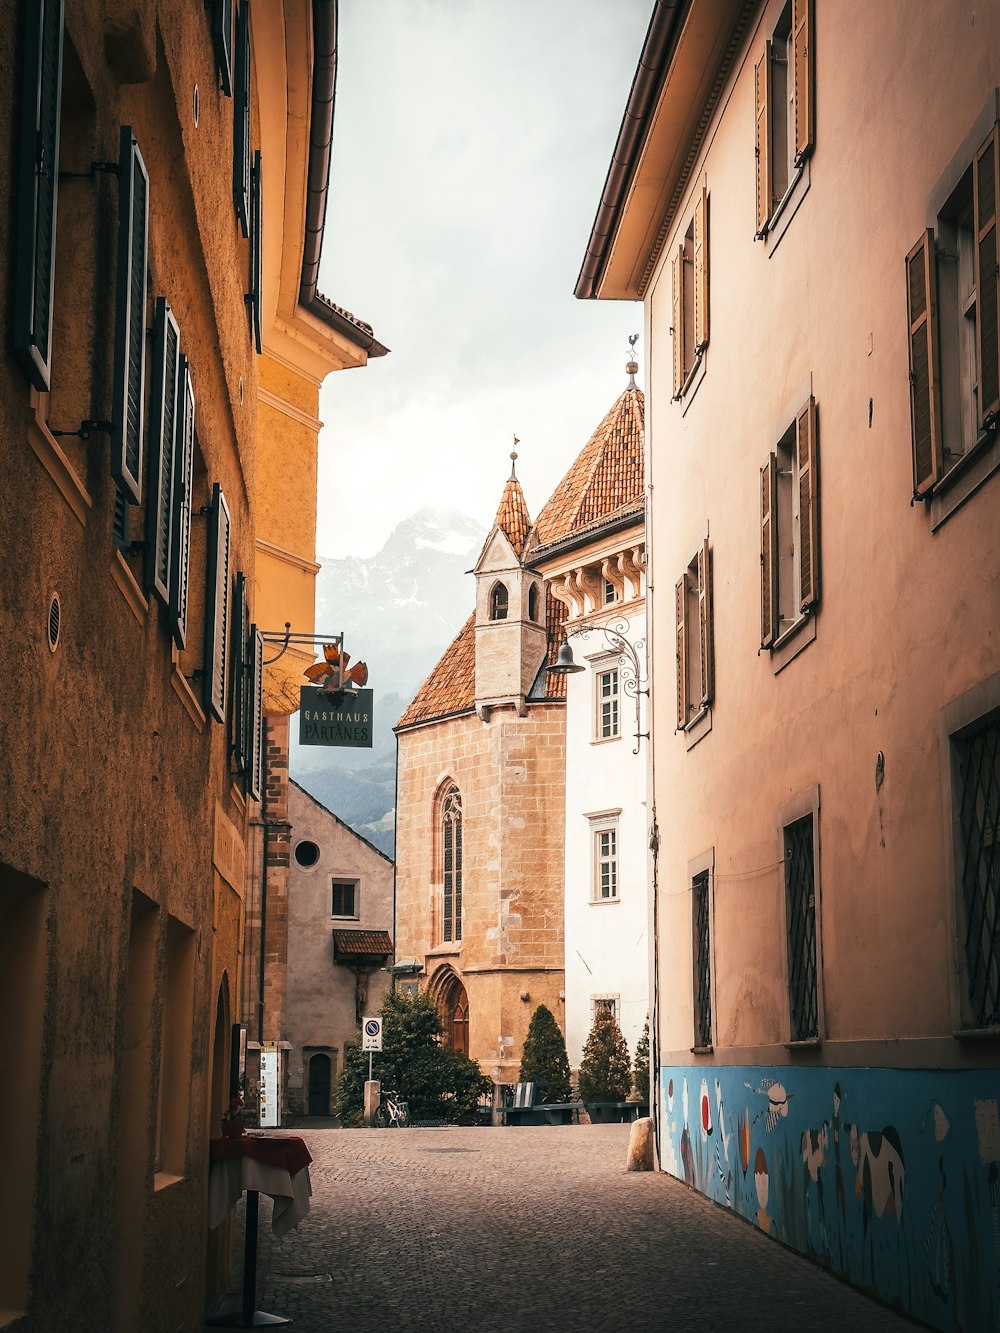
254,771
162,426
183,476
682,652
217,606
803,68
241,119
37,186
925,404
130,317
238,651
762,140
256,263
768,552
222,41
705,623
119,522
986,178
677,275
701,272
808,477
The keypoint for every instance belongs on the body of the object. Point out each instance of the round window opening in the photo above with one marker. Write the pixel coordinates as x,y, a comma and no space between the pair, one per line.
306,854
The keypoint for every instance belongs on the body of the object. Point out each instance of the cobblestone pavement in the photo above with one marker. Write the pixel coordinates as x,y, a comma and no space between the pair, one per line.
525,1229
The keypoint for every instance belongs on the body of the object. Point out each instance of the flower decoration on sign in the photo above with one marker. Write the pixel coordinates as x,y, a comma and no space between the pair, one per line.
333,674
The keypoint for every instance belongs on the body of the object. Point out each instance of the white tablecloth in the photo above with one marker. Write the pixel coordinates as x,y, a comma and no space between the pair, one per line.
227,1181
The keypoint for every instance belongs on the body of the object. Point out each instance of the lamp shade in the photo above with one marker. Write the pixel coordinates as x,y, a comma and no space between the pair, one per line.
564,664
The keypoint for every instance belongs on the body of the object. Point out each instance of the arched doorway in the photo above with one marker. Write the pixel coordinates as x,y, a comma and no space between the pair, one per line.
320,1076
448,992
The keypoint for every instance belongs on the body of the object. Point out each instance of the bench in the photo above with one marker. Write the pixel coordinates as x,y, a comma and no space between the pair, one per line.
525,1111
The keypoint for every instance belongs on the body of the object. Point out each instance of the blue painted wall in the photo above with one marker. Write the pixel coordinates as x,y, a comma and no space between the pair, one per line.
889,1177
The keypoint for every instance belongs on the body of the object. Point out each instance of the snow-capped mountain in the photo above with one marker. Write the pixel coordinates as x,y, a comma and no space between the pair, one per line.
398,611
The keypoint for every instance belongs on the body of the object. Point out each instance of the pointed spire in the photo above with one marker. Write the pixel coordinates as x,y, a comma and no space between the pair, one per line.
512,516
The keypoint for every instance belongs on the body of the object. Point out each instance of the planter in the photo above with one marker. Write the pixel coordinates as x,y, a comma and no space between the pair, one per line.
606,1113
232,1129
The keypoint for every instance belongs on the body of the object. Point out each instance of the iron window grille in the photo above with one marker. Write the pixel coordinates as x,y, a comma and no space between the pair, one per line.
702,962
979,821
344,902
452,840
800,909
608,724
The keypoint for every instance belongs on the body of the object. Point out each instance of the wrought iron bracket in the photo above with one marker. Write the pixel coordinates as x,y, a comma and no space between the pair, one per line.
287,640
634,679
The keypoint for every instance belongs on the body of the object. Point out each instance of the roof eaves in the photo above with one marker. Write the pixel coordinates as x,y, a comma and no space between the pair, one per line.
606,526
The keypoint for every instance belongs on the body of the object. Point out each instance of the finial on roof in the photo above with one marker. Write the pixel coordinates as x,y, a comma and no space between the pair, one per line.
632,365
513,457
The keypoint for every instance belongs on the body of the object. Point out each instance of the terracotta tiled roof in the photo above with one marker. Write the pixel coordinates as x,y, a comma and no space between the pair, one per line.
555,617
607,478
451,686
362,944
513,516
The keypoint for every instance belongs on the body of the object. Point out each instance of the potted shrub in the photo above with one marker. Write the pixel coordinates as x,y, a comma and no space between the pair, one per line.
544,1062
605,1070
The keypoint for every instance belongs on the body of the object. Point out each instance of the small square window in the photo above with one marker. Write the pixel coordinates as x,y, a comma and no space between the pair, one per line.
345,898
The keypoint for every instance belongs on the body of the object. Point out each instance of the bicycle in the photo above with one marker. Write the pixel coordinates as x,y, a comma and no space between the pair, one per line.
391,1111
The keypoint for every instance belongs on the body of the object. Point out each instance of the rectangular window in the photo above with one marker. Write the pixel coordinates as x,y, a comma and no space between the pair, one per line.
608,698
345,898
606,865
800,929
783,97
701,911
695,665
689,274
607,1004
977,796
789,526
610,595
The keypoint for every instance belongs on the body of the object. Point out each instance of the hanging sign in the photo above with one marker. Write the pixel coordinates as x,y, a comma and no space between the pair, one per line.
329,721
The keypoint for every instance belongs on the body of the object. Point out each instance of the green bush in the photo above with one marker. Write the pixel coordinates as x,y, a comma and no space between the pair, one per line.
605,1070
640,1070
438,1083
544,1060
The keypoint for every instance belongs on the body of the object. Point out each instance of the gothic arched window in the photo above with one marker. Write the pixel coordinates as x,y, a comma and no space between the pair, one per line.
498,602
533,602
451,845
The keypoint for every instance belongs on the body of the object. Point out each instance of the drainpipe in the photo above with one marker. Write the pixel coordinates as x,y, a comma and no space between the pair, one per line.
263,891
395,862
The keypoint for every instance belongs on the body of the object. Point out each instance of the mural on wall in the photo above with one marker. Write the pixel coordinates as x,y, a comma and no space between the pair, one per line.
888,1177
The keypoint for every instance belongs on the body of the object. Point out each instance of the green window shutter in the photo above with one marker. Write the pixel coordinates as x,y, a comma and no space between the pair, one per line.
255,716
38,185
163,402
217,606
238,642
241,119
222,40
130,318
256,235
180,518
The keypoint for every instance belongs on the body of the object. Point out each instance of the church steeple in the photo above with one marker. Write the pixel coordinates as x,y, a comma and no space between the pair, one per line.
512,516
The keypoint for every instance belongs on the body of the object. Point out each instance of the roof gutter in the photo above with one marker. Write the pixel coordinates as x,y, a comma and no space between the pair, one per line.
324,93
584,536
654,61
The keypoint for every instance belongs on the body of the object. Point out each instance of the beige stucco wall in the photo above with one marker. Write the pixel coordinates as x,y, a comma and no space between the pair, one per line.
908,616
319,1007
511,775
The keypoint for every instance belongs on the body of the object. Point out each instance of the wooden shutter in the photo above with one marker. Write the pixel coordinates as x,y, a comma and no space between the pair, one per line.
808,479
925,403
222,41
677,274
705,624
130,318
119,522
256,236
762,141
238,651
682,652
986,179
216,676
254,772
183,476
803,67
701,272
37,186
768,552
163,403
241,119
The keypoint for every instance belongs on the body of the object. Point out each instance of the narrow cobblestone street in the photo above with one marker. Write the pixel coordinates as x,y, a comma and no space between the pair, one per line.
524,1229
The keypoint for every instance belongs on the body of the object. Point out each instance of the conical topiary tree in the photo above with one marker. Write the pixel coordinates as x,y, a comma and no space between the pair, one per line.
544,1060
605,1070
640,1070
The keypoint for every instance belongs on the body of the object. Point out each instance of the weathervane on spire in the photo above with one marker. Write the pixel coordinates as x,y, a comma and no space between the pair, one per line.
632,365
513,457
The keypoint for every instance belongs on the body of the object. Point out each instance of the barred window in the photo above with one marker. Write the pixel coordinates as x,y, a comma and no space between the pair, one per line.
452,846
978,793
608,723
344,894
702,961
800,924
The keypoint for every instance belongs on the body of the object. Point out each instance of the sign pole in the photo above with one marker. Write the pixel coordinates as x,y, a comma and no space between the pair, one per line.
370,1058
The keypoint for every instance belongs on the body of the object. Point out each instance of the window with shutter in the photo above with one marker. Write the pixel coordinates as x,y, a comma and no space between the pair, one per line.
986,177
183,476
222,41
163,411
677,322
680,596
695,671
120,523
217,606
241,671
768,553
925,410
701,273
789,533
807,467
37,186
253,296
130,318
689,275
706,664
241,118
254,772
762,138
802,78
784,119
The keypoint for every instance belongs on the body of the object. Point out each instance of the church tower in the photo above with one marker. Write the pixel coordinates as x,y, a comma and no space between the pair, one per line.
511,637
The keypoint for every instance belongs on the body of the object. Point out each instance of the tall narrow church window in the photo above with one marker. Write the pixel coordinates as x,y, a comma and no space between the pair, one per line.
533,602
498,602
452,846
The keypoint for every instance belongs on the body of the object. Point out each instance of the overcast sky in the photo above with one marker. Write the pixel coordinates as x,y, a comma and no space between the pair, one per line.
471,142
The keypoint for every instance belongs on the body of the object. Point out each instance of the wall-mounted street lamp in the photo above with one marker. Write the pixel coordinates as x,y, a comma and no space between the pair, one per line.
633,677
